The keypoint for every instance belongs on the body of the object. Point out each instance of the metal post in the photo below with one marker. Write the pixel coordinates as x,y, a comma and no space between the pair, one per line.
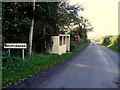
9,52
23,54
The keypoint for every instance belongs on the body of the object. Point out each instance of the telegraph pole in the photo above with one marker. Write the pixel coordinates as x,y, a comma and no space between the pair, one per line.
31,32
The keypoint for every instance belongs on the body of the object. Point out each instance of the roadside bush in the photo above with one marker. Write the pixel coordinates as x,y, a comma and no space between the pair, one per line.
73,45
106,40
9,61
6,58
82,41
88,41
112,42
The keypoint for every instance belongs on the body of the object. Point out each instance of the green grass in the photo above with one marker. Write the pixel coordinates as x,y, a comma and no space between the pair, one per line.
113,47
31,65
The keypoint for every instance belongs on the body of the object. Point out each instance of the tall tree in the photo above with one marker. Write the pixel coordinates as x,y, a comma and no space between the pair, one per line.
50,18
16,21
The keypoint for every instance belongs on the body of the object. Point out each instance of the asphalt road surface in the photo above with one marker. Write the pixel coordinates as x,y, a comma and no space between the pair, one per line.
95,66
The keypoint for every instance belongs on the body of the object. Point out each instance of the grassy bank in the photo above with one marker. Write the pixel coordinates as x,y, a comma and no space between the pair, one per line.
20,70
113,47
111,42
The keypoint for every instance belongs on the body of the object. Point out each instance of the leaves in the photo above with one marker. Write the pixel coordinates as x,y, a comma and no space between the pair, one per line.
15,23
50,18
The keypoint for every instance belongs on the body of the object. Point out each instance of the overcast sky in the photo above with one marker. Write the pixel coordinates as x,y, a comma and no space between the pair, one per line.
103,15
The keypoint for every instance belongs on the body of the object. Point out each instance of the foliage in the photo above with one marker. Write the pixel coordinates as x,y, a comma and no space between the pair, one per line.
109,40
45,26
8,61
84,26
113,47
112,42
73,45
81,30
50,22
50,19
81,47
15,26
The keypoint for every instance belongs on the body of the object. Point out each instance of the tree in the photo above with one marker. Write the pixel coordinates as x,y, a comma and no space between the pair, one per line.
16,21
50,18
83,26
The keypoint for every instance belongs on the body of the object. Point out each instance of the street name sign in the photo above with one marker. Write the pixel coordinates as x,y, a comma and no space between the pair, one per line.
16,46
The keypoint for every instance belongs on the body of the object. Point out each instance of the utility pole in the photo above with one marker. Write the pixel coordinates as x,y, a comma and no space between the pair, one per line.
31,31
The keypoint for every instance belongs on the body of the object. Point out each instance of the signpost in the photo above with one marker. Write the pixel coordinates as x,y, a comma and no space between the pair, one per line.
16,46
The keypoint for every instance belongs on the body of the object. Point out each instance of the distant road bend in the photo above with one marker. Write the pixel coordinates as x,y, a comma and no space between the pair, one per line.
96,66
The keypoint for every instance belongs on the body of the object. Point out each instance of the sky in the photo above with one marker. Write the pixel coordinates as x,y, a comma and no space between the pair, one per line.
103,14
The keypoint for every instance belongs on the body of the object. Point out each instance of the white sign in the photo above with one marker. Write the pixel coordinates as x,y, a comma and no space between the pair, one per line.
15,45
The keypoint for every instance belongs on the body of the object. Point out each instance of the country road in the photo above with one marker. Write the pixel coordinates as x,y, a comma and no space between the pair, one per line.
95,66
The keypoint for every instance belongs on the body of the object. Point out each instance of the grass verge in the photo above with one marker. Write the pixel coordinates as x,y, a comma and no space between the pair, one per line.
33,64
113,47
